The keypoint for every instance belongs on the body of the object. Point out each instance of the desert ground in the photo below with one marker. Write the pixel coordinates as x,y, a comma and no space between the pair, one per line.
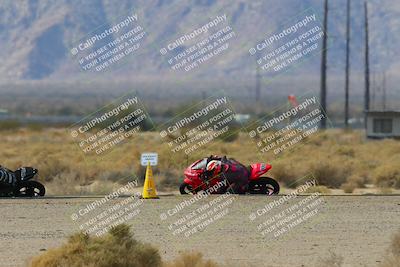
356,229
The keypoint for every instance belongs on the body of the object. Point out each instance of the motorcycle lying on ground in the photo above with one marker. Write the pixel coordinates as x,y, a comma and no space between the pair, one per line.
195,181
24,186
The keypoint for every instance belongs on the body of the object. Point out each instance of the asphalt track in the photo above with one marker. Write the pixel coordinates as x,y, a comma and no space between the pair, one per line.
235,230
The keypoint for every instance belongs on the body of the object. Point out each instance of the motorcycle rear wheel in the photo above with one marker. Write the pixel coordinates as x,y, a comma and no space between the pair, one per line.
30,189
264,186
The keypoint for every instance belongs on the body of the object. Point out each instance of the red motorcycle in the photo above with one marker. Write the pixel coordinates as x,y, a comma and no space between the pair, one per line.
196,179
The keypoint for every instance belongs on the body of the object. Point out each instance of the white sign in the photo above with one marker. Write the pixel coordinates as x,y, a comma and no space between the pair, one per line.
149,157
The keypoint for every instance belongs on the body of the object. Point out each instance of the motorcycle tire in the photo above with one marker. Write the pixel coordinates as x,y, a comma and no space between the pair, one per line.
185,189
264,186
30,189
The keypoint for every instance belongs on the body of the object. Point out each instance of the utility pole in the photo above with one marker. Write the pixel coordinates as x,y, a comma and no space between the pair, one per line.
203,95
323,66
384,91
366,97
374,89
258,83
346,89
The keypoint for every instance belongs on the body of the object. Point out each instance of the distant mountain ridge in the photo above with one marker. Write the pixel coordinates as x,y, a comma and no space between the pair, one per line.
36,36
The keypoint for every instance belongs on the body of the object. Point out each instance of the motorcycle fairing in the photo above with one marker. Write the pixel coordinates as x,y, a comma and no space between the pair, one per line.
258,169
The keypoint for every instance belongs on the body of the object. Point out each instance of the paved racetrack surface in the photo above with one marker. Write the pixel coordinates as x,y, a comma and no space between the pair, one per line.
236,230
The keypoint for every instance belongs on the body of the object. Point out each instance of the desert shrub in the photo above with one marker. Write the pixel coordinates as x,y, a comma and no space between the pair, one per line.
349,187
357,180
62,184
285,172
231,135
60,161
9,125
346,151
318,189
385,190
147,125
121,176
191,260
330,174
49,168
116,248
170,180
98,188
353,182
319,138
37,127
387,175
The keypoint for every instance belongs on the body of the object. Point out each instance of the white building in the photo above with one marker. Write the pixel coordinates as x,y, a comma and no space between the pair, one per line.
383,124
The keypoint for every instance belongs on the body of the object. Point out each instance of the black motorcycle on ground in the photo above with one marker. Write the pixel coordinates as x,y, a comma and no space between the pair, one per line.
24,186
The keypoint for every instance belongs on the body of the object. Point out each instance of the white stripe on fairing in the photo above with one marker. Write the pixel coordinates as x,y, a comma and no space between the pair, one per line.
23,173
6,176
2,175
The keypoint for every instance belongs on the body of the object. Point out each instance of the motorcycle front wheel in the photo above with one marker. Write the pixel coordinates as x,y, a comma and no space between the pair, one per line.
30,189
264,186
185,189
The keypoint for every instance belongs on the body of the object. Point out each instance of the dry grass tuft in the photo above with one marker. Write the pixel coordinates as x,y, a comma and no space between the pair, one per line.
117,248
330,173
286,173
336,159
349,187
388,175
318,189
